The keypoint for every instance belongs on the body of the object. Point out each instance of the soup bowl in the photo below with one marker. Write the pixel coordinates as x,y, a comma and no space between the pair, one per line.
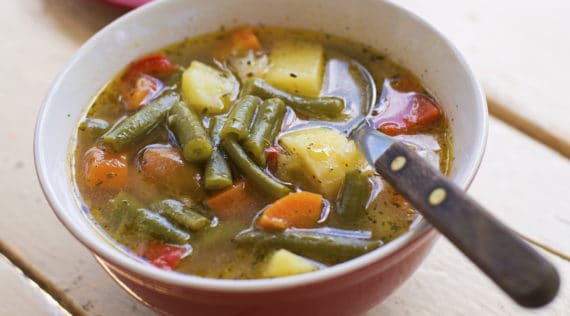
346,289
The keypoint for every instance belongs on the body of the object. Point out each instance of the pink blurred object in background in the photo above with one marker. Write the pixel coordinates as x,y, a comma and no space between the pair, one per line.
127,3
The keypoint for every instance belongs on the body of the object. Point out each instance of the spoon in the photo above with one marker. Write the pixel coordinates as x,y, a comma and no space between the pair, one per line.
510,262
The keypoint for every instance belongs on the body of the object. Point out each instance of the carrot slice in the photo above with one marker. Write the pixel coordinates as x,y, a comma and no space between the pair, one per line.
105,170
241,39
300,209
140,91
165,166
233,202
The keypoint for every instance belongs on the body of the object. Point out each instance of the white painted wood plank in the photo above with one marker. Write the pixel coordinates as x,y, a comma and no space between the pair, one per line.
20,296
519,50
527,186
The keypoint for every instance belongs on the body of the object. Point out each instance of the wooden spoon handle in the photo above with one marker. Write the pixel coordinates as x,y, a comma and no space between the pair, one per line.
510,262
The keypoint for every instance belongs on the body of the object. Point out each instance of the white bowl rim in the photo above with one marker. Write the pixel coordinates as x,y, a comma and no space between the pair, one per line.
116,257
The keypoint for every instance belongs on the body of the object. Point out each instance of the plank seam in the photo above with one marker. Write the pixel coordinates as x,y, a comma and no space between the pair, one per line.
44,283
529,128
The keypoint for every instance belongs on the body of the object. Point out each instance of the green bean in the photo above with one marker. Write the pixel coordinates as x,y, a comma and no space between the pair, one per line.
216,125
190,133
270,115
354,197
130,215
321,107
251,171
178,213
239,118
139,124
125,213
217,174
160,228
94,127
321,247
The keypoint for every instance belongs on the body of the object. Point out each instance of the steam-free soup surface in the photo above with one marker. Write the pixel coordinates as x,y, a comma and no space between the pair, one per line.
223,156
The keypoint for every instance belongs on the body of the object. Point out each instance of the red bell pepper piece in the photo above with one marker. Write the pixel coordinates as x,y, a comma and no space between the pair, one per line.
140,91
154,65
163,256
139,84
405,110
272,154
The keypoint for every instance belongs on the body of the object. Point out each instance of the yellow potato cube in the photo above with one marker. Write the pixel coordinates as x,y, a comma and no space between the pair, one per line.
324,155
296,67
284,263
207,90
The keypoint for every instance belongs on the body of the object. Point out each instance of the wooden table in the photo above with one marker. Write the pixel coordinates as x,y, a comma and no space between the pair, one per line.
519,50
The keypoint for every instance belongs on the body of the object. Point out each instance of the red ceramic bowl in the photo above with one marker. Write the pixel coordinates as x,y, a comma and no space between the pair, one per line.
346,289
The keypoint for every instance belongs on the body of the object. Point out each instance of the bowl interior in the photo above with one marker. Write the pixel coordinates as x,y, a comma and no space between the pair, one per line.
382,25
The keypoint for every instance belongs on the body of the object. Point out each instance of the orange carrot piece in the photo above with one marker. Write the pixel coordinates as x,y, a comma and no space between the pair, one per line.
105,170
243,38
164,165
299,209
233,202
140,91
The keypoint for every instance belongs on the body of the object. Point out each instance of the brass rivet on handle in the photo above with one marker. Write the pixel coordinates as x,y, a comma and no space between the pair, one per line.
437,196
398,163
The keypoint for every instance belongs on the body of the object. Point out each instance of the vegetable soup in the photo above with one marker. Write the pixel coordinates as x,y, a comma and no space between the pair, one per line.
225,155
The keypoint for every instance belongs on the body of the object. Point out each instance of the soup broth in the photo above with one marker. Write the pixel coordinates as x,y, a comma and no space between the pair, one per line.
223,156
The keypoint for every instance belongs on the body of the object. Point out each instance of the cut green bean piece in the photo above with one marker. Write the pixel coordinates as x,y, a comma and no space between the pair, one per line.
138,125
251,171
178,213
321,107
216,125
354,197
190,133
94,127
125,213
217,174
240,117
269,116
160,228
324,248
130,215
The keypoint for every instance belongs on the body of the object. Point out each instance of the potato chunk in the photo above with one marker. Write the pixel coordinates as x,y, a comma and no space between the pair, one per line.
323,156
297,67
283,263
207,90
